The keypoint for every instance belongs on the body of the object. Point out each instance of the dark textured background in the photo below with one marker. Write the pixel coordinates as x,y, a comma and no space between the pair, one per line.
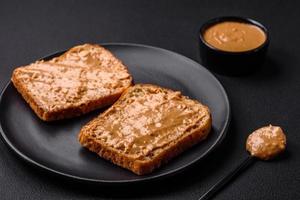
32,29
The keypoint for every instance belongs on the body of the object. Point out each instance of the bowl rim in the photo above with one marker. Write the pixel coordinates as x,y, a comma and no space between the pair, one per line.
217,20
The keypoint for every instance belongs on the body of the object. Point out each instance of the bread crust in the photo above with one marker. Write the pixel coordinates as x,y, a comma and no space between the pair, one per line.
70,111
141,167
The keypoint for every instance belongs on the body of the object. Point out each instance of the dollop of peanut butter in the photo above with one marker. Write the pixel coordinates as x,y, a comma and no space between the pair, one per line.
266,142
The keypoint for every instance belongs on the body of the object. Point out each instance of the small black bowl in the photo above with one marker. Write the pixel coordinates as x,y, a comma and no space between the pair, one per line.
232,63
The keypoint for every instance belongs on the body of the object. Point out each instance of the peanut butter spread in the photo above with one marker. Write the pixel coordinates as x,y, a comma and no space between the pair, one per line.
267,142
147,120
82,74
234,36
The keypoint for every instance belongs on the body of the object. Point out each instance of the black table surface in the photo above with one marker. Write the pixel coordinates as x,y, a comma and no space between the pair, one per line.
32,29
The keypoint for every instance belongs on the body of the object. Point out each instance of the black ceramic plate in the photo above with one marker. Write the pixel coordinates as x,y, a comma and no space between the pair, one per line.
54,146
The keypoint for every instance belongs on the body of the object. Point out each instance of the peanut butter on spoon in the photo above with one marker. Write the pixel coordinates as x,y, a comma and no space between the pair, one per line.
266,143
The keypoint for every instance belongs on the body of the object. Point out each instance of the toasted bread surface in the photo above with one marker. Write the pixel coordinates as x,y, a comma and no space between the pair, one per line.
84,78
146,127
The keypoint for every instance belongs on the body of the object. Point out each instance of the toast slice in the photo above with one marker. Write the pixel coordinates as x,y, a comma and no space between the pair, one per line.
146,128
84,78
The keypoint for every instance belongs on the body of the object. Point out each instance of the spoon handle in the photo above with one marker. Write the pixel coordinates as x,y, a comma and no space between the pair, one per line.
222,182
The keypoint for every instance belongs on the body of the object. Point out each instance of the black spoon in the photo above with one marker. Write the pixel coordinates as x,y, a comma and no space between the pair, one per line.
264,144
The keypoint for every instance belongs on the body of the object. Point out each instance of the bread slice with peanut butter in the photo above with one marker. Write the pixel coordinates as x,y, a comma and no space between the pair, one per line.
84,78
146,127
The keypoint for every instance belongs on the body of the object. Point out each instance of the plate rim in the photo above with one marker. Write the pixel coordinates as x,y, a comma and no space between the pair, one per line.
169,173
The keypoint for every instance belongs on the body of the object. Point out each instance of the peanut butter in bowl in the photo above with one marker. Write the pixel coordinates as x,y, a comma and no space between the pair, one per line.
234,36
233,46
